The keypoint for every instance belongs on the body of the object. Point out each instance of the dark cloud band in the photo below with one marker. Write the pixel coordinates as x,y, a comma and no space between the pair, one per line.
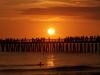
86,12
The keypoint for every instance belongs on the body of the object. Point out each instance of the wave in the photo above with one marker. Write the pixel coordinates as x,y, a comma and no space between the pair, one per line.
61,68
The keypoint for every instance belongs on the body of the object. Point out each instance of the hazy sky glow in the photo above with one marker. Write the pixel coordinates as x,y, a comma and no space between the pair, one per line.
32,18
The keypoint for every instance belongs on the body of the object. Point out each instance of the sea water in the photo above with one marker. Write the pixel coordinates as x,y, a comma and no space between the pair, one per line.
29,63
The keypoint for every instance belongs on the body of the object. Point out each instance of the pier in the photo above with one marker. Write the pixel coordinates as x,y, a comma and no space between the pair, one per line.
66,45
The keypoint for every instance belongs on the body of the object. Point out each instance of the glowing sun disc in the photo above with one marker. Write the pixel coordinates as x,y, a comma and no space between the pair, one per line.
51,31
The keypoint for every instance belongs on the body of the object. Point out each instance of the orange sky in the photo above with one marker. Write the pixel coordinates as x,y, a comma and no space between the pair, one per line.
32,18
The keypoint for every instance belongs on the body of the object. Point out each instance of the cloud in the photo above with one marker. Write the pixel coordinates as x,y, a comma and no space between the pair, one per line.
85,8
50,3
85,3
85,12
55,3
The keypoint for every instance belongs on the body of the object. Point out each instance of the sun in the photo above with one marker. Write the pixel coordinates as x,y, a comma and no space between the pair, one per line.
51,31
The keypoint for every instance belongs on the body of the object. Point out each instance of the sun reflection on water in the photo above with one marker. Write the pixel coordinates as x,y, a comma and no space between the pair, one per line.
50,61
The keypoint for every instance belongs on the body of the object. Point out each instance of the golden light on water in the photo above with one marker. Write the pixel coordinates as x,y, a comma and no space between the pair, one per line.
51,31
50,61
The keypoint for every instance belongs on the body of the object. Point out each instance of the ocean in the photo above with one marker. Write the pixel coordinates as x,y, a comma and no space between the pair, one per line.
49,64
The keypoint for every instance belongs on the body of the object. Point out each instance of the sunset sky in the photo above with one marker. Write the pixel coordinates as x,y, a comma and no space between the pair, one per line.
32,18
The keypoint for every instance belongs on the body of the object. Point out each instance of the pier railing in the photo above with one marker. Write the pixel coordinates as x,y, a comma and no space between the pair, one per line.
66,45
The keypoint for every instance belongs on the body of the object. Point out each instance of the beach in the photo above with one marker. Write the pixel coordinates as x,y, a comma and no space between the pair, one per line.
56,63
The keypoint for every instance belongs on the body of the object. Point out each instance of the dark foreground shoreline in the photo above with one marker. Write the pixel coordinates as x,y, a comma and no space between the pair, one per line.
62,68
